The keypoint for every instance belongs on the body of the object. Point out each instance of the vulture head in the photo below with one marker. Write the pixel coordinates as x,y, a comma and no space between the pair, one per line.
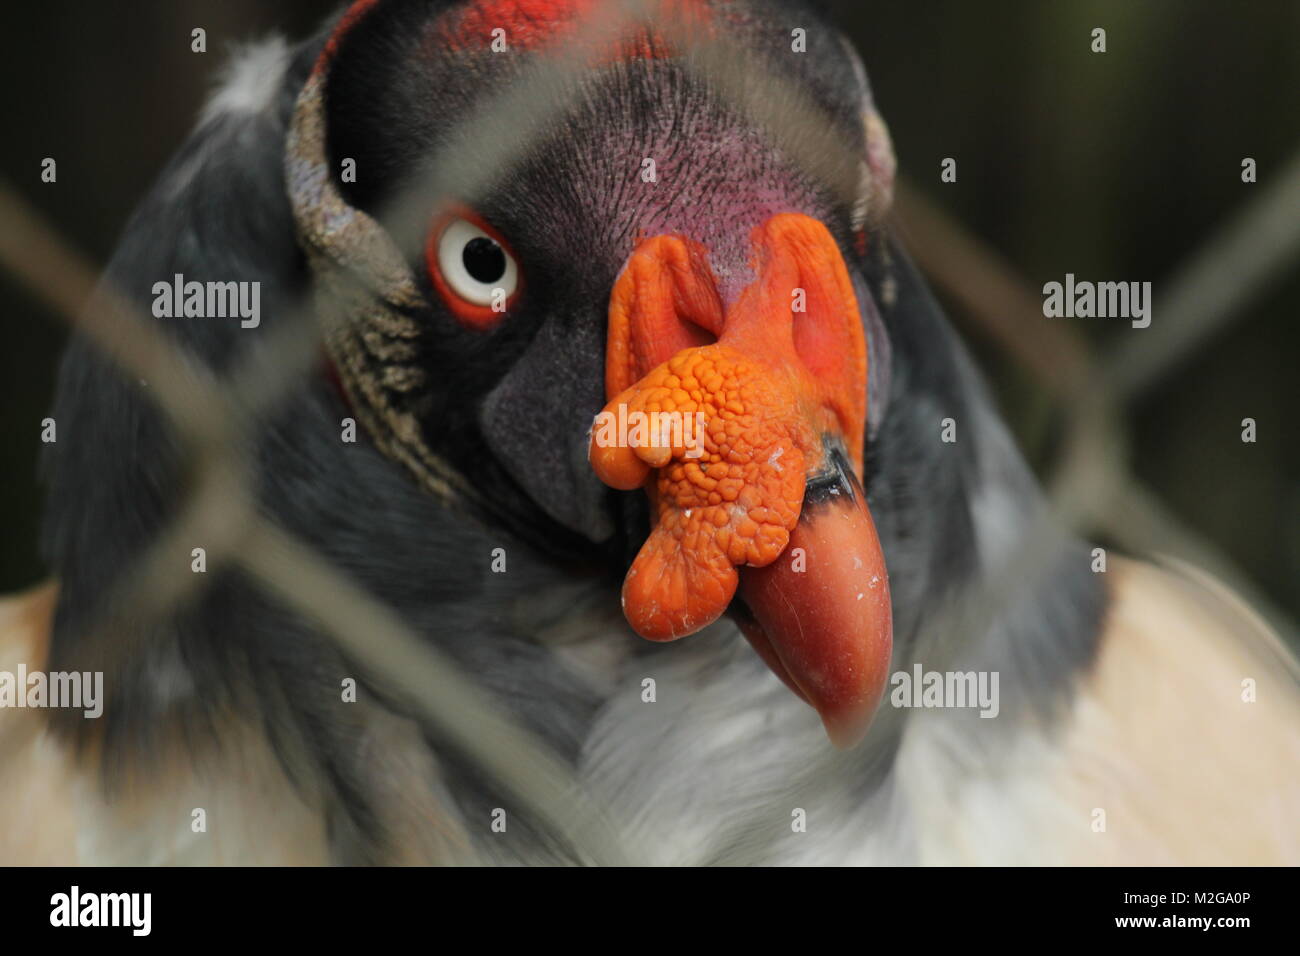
656,253
634,354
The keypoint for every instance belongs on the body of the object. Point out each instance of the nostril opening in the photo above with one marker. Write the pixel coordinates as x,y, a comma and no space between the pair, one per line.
658,337
698,330
665,301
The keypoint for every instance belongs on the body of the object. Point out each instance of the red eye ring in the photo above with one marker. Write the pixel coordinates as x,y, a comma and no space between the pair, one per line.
469,297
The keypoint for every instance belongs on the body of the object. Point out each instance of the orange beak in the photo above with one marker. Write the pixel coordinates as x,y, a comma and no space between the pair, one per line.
745,425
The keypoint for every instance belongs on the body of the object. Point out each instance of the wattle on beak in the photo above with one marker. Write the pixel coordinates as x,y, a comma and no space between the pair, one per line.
748,423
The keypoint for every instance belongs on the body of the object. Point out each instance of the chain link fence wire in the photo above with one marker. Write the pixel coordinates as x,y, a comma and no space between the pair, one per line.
1091,489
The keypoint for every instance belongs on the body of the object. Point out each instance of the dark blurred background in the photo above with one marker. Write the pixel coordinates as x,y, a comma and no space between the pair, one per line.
1116,166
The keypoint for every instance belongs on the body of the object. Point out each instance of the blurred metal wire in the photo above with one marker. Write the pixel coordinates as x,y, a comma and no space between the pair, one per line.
1093,487
1214,285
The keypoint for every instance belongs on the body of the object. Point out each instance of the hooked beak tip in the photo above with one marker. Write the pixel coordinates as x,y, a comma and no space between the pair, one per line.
820,616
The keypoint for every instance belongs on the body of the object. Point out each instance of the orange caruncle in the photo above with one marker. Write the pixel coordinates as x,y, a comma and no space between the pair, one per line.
768,379
734,504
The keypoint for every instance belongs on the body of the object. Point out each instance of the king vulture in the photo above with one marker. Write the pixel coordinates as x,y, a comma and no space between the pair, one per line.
727,636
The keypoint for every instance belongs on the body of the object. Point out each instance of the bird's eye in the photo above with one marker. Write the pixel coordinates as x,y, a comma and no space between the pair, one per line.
473,270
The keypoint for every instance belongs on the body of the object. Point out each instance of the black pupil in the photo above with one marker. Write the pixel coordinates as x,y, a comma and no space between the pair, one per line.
484,259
